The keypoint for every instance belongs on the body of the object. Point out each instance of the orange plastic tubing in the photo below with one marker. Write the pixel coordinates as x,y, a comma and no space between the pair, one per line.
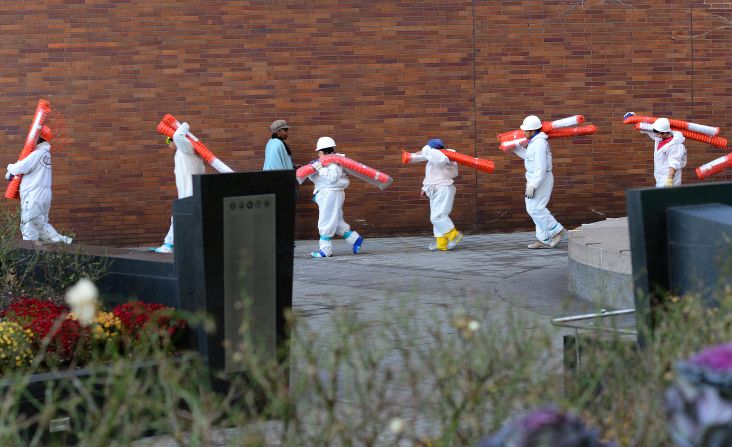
42,109
304,171
461,159
714,166
200,148
546,126
573,131
714,141
471,162
678,124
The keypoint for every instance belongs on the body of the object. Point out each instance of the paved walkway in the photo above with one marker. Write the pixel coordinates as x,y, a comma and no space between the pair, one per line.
493,272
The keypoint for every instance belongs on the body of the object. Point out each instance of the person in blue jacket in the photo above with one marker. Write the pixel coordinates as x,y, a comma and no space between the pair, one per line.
277,154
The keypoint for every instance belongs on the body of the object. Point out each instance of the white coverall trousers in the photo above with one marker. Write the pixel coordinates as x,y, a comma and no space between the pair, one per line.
34,221
330,219
441,201
546,225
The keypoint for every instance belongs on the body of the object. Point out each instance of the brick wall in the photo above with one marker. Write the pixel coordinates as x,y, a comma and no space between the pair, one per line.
377,77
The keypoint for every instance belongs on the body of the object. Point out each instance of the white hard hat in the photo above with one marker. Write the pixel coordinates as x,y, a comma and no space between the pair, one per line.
531,122
325,143
662,125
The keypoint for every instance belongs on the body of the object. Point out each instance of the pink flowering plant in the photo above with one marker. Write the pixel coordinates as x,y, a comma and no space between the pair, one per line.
699,402
545,427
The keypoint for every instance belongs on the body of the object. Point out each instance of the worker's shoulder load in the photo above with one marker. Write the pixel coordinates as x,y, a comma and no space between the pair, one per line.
692,131
42,110
561,128
480,164
358,170
715,141
168,125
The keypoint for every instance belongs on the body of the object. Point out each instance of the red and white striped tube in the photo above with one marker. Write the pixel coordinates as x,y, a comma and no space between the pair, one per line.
546,126
562,123
678,124
511,136
714,141
42,110
169,125
714,167
360,170
556,133
507,145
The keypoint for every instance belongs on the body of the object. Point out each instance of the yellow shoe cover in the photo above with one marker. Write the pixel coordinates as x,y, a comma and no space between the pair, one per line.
453,237
440,244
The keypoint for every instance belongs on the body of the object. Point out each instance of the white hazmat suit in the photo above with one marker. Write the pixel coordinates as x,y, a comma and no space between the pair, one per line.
187,164
538,163
671,154
438,186
330,182
35,195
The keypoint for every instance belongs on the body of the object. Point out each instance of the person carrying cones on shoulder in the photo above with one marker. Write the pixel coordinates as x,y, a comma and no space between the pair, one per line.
330,184
537,156
669,153
35,194
438,186
187,164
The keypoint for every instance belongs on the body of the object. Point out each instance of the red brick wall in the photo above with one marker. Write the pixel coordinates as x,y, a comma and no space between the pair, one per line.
377,77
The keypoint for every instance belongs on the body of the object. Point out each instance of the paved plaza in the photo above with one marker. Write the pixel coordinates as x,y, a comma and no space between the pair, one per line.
494,272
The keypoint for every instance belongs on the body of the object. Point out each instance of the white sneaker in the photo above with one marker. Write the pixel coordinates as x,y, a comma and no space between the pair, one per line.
59,239
165,248
538,245
557,238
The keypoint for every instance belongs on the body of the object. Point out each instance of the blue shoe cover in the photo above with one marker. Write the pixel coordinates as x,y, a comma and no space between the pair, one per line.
357,245
318,254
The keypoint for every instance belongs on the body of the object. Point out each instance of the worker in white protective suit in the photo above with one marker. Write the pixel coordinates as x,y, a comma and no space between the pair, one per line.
669,153
439,187
330,182
187,164
537,157
35,194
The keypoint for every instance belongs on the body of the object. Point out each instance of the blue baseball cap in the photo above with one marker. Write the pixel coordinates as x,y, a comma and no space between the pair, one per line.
436,143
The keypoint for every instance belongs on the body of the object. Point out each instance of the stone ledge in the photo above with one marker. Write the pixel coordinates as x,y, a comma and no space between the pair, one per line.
600,268
604,245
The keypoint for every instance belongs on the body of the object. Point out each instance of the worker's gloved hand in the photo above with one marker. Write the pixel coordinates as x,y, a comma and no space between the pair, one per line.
669,182
628,114
529,191
317,165
9,176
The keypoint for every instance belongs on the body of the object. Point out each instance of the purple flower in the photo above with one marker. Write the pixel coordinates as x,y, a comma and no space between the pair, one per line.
545,427
699,403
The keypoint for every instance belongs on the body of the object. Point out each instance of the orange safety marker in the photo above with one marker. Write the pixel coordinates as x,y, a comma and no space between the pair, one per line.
557,133
46,133
714,141
546,126
562,123
714,167
480,164
169,125
360,170
304,171
678,124
42,110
